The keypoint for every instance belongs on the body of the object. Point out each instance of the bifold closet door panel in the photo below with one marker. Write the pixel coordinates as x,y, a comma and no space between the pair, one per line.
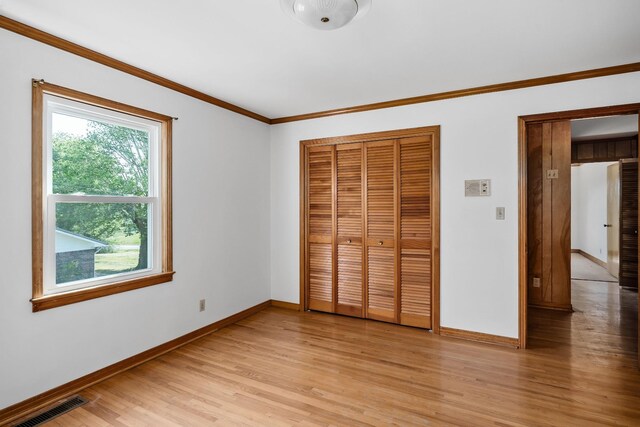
380,189
349,229
415,231
320,228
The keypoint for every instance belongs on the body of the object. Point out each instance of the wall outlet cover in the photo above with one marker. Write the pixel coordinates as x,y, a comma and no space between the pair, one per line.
552,174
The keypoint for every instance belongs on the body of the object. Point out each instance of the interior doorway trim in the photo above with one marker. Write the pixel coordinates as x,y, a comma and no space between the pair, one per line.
434,133
523,121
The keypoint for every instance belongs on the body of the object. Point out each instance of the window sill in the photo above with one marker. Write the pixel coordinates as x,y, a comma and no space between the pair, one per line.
71,297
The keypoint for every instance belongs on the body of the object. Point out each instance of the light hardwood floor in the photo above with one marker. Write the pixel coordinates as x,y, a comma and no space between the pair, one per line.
281,367
582,268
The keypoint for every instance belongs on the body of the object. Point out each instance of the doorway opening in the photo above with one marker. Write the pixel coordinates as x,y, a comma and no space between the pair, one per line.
604,195
578,231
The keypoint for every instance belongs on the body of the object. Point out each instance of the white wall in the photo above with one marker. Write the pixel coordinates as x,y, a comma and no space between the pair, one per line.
589,208
479,256
221,228
236,216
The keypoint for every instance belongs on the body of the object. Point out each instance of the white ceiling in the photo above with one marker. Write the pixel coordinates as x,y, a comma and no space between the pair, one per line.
604,127
248,52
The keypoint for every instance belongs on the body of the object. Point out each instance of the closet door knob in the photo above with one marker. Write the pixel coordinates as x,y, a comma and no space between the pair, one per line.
380,243
348,240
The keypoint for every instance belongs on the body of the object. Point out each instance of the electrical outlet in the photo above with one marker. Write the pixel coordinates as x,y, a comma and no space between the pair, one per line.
536,282
202,304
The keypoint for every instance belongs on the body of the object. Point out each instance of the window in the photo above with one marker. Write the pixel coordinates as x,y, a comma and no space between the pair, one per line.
101,197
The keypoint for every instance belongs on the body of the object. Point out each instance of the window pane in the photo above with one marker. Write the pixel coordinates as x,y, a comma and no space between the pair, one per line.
98,158
100,239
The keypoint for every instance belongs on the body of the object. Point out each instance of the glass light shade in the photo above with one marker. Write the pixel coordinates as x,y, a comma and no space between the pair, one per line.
325,14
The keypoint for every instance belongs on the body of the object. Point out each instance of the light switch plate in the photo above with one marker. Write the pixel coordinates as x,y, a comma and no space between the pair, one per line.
552,174
477,187
500,213
536,282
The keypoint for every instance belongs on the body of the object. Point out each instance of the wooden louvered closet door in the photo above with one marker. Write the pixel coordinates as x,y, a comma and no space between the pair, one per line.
380,230
349,229
415,231
369,220
319,269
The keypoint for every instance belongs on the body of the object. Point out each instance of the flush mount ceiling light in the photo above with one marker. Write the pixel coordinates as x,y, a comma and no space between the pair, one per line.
325,14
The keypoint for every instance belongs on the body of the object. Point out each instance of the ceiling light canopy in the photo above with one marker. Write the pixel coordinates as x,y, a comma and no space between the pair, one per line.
325,14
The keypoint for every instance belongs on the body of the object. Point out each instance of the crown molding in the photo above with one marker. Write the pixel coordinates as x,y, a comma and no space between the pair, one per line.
57,42
92,55
500,87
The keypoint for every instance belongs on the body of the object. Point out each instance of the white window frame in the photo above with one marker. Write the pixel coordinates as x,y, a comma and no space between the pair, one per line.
58,105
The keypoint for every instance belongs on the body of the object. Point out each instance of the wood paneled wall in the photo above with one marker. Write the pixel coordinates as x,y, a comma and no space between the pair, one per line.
371,226
604,150
549,214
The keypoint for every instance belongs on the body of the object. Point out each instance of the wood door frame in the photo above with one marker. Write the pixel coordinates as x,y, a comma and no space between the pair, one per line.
523,121
431,131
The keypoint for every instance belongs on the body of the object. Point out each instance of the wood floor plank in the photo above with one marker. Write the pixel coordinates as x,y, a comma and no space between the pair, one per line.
282,367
